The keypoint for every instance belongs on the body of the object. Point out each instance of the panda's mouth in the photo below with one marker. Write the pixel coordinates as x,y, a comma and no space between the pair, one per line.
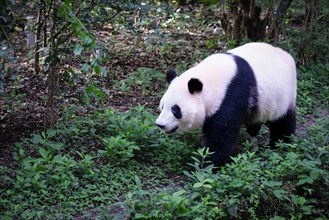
172,130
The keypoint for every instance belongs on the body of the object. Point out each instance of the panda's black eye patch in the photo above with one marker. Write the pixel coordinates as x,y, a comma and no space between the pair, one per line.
176,111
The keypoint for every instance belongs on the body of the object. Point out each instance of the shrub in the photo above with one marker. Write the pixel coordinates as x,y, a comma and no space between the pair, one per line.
85,163
313,89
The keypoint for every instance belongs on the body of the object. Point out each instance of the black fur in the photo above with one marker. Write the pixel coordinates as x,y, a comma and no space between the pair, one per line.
282,128
177,112
170,75
194,85
253,129
222,129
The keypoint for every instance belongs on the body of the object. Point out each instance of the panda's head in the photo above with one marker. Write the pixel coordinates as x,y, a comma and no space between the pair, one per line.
182,108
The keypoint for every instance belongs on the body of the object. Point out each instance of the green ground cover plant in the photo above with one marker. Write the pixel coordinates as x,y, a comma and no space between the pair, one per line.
87,163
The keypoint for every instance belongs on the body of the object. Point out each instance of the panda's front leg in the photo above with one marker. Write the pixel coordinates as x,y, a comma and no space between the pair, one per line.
220,138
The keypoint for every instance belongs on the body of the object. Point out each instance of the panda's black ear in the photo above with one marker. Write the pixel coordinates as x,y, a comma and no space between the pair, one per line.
195,85
170,75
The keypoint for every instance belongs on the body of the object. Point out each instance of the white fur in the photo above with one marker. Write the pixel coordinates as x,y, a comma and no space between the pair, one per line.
275,74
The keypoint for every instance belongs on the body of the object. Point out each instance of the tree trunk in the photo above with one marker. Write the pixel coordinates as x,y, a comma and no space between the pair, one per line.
278,20
246,19
312,13
38,37
254,22
52,76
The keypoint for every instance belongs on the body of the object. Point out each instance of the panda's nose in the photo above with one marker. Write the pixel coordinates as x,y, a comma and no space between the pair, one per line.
160,126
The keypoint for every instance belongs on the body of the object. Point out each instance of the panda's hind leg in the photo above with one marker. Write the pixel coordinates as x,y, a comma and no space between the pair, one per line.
253,129
282,128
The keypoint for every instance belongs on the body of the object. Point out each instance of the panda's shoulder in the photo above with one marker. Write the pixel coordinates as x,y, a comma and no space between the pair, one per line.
217,60
218,57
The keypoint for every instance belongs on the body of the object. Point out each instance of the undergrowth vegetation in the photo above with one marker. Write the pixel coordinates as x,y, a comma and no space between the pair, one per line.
117,165
86,163
291,182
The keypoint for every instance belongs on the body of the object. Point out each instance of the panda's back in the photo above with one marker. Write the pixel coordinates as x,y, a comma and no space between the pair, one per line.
274,71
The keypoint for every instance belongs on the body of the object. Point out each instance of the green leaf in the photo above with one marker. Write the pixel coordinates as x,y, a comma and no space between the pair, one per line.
58,159
200,177
39,168
314,174
197,185
21,151
36,139
77,49
90,89
305,179
272,183
280,194
97,69
179,193
51,133
85,67
207,186
43,153
138,182
208,180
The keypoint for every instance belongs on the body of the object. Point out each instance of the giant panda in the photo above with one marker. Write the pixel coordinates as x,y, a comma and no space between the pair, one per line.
249,85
